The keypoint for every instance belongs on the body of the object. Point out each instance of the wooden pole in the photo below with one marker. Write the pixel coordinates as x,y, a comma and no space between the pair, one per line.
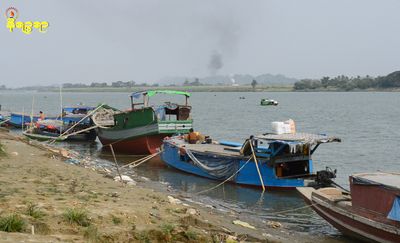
116,163
258,169
33,101
23,118
61,104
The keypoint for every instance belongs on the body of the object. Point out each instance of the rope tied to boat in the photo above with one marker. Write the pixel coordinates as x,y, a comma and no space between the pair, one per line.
292,210
1,123
140,161
228,179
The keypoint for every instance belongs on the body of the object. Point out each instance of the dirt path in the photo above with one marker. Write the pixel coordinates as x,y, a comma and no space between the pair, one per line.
63,202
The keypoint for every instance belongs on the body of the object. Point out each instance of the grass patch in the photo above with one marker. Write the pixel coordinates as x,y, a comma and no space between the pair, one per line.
12,223
167,228
77,216
116,220
91,234
41,228
191,235
143,237
34,211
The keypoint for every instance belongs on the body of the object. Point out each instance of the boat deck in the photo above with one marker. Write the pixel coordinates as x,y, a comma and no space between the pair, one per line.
208,148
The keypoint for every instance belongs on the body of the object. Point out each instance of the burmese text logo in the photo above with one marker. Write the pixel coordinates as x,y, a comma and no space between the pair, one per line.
26,27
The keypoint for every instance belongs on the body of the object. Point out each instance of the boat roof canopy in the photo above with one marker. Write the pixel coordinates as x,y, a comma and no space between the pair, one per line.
84,107
151,93
386,179
298,138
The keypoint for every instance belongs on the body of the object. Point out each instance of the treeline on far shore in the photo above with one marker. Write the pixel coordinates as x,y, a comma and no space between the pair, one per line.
390,81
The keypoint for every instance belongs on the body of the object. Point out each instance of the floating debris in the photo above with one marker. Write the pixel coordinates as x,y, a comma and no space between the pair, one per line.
244,224
173,200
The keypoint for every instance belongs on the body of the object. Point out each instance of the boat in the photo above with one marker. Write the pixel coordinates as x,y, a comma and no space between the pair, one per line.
370,211
141,129
270,161
265,102
4,117
74,114
59,130
71,114
18,120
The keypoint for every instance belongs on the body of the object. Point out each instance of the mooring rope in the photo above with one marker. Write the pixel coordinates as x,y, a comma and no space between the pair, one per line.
4,121
141,160
291,210
228,179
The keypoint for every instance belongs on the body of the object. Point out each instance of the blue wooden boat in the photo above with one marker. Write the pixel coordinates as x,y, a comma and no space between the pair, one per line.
71,114
74,114
19,119
283,161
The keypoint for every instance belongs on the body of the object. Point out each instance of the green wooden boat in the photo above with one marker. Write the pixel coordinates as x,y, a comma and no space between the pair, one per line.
142,129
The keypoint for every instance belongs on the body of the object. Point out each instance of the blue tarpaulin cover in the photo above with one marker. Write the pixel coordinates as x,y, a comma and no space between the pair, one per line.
394,214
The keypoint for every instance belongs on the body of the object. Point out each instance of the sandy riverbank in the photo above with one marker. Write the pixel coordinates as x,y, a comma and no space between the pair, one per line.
64,202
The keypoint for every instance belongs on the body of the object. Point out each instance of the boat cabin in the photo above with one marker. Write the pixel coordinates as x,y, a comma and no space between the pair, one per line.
289,154
377,192
166,112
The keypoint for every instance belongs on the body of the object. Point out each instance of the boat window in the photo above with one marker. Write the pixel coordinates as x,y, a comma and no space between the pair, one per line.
173,112
292,169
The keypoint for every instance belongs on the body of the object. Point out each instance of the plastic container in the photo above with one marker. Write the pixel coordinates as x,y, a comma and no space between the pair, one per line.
286,127
292,126
278,127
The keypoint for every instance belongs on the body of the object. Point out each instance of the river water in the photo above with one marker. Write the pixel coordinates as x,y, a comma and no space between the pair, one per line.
368,123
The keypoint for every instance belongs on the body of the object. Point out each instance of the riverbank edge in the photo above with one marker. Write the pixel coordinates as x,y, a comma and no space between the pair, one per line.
207,222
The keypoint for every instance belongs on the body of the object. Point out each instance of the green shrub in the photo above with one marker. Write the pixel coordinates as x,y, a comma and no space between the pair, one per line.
77,216
34,211
116,220
12,223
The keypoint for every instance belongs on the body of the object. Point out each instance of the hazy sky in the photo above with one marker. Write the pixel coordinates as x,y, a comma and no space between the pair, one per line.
145,40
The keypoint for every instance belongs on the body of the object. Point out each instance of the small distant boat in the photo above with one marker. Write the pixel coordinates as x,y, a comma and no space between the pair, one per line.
370,211
265,102
282,161
242,98
141,129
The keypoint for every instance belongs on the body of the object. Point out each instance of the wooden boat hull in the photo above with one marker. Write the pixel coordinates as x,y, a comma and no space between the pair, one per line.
348,221
248,176
47,136
148,144
41,137
143,139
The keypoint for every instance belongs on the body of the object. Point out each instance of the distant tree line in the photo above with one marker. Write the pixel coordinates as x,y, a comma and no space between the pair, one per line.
196,82
119,84
3,87
350,83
